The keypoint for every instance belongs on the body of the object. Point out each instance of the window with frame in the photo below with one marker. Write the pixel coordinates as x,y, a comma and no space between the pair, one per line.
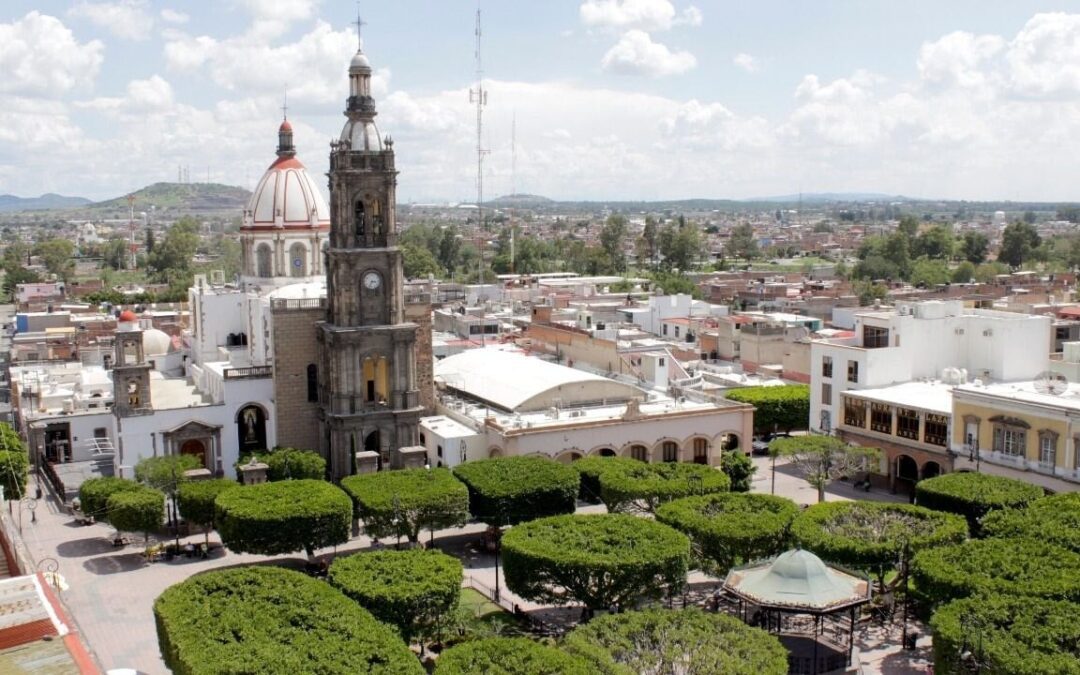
1010,440
826,393
907,423
852,371
701,451
881,418
670,451
875,338
826,366
312,383
855,412
936,431
639,452
1048,448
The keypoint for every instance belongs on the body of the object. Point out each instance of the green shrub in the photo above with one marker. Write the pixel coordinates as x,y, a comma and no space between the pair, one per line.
14,469
872,536
686,641
973,495
1007,634
507,656
510,490
739,469
1054,519
645,487
272,621
1009,566
401,503
289,464
196,500
589,469
141,510
730,528
283,517
94,494
599,560
785,407
414,589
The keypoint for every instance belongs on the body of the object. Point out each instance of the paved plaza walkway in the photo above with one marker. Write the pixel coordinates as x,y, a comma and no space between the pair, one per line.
111,590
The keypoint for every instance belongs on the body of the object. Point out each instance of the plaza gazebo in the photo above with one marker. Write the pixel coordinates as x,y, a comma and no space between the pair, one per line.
809,605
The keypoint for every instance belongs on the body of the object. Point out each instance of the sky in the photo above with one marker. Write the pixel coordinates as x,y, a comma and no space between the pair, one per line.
588,99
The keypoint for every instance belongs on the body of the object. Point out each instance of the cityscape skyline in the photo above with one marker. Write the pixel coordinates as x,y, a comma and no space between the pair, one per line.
611,99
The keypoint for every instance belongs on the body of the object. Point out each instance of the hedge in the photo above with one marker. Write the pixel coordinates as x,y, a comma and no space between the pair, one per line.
1054,519
412,589
94,494
973,495
598,560
589,469
684,641
14,469
283,517
508,656
196,498
645,487
872,535
289,464
511,490
141,510
784,407
273,621
1011,566
401,503
1007,634
730,528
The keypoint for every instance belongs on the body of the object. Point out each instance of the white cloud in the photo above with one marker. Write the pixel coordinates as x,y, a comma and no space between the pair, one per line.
127,19
958,59
636,54
691,16
40,55
151,94
173,16
271,18
746,62
648,15
1044,57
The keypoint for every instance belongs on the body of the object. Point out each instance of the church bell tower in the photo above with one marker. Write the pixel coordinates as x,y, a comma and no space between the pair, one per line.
368,396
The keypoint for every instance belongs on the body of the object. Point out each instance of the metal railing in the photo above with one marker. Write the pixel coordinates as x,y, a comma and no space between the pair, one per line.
298,303
249,372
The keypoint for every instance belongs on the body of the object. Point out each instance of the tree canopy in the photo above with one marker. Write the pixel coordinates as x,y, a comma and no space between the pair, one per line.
140,510
590,469
508,656
283,517
1018,241
598,560
95,492
196,499
643,488
413,589
784,408
683,641
740,470
290,463
973,495
1054,519
166,472
14,469
728,529
270,620
401,503
823,459
510,490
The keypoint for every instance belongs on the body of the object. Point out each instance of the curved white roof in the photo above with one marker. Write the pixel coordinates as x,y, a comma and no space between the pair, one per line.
798,579
156,342
300,291
518,383
286,196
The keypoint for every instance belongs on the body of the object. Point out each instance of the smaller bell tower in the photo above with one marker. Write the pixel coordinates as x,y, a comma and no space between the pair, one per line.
130,371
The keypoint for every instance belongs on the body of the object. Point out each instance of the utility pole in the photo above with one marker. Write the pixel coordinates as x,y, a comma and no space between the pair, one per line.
513,183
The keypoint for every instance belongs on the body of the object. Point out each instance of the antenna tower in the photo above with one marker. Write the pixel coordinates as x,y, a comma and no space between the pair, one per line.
513,183
131,227
479,97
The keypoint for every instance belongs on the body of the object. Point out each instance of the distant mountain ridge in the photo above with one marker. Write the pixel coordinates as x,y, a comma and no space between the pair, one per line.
823,197
48,200
187,197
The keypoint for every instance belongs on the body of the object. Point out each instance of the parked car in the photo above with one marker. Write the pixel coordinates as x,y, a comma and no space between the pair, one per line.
759,446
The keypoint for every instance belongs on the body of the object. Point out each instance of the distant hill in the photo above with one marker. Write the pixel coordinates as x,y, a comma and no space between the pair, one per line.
185,197
825,197
520,200
45,201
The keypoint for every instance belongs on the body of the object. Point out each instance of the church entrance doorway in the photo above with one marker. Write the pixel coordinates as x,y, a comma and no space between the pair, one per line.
195,448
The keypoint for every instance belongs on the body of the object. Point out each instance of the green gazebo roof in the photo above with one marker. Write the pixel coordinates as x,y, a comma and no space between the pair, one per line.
798,580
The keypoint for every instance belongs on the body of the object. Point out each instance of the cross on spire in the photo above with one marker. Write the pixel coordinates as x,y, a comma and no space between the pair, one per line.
360,23
285,105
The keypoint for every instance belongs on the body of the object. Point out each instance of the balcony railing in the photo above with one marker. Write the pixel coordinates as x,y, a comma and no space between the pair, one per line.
249,373
298,303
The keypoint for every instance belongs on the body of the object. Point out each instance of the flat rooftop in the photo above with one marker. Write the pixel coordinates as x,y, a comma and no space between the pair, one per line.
934,396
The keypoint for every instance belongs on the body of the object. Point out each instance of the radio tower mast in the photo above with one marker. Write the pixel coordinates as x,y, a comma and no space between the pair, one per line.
513,183
131,226
479,97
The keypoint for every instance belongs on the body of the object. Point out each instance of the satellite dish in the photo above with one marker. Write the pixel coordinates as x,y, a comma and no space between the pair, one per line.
1049,382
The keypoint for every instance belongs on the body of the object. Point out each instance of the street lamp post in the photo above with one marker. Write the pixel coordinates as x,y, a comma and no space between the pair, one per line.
431,526
397,520
498,550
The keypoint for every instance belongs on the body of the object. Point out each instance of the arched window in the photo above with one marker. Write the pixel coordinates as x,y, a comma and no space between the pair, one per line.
639,452
701,451
312,383
376,218
670,450
298,260
359,218
263,267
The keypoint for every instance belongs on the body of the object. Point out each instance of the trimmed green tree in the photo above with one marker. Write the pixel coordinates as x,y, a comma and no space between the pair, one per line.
643,488
14,469
283,517
196,501
823,459
874,536
1006,634
141,510
511,490
685,641
1055,519
739,468
508,656
589,468
1009,566
784,407
598,560
415,590
289,464
167,473
94,494
730,528
973,495
401,503
273,621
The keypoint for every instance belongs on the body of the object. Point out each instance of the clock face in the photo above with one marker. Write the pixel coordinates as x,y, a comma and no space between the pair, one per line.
372,280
